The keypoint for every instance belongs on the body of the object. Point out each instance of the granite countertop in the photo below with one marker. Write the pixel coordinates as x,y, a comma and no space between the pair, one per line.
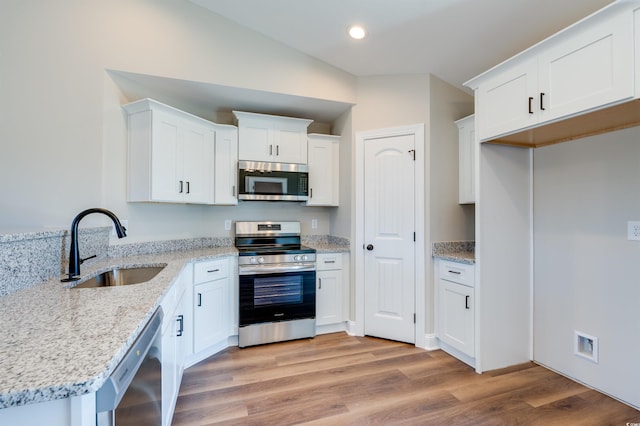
60,342
455,251
327,244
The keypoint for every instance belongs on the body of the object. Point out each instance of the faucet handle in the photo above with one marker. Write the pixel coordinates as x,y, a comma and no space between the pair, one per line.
87,258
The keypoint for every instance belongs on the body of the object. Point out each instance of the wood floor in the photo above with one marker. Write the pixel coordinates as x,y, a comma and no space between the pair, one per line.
336,379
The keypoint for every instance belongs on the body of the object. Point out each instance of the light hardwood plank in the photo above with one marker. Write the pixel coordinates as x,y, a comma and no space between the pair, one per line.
336,379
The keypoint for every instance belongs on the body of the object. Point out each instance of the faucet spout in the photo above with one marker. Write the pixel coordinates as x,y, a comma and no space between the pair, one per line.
74,252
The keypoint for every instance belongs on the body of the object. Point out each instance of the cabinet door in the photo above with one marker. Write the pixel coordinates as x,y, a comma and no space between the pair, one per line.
263,137
256,142
166,157
329,297
506,103
466,160
323,170
290,144
198,142
591,69
211,313
226,166
456,317
173,325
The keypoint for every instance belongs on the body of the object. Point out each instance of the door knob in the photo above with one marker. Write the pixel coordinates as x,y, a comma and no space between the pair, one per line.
370,247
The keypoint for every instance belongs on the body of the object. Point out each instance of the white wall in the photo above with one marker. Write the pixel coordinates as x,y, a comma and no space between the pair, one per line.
63,132
586,271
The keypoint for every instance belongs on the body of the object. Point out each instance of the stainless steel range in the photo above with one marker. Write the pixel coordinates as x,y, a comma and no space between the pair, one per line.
277,281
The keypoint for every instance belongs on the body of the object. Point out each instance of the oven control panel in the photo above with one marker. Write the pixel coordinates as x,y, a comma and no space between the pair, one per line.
277,258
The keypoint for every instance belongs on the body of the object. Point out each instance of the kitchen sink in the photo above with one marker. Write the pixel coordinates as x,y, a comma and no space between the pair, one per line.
122,276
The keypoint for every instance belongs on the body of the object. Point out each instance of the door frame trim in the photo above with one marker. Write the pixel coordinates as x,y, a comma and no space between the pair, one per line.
418,131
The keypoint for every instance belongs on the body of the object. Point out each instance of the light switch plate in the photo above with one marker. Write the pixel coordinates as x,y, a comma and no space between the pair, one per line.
633,231
227,225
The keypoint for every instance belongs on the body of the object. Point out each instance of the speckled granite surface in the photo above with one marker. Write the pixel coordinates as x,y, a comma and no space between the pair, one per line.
30,258
326,243
457,251
61,342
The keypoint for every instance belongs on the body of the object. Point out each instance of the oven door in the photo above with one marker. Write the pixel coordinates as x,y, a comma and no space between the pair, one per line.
277,296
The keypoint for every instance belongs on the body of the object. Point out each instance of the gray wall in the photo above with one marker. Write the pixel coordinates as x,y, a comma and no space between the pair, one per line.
448,220
62,128
586,271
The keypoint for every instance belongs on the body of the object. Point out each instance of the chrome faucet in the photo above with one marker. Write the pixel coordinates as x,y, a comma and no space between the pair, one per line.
74,254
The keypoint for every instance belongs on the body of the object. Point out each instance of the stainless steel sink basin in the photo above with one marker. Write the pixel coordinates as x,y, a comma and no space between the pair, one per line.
122,276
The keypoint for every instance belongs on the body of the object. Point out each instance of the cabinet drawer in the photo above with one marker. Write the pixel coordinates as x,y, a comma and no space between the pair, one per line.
210,270
328,261
461,273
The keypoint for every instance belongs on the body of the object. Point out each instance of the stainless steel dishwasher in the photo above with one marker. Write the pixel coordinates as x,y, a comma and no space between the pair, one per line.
132,395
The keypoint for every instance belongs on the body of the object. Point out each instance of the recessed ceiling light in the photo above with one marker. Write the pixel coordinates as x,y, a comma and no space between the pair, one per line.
357,32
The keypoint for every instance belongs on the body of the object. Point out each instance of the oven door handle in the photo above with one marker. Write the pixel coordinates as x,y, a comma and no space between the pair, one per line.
274,269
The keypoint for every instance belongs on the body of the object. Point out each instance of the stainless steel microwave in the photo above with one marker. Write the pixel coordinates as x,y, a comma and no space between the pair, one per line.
263,181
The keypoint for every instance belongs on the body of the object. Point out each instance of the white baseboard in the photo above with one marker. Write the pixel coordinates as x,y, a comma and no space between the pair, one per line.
331,328
458,354
431,342
351,328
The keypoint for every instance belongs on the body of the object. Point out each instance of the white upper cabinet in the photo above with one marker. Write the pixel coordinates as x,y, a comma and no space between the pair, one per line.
324,175
504,100
466,160
171,154
586,67
226,165
271,138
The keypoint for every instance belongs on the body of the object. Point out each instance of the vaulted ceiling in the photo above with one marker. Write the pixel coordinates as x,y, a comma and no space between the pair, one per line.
453,39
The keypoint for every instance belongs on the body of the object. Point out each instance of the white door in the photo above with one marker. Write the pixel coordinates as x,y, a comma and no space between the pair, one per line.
389,237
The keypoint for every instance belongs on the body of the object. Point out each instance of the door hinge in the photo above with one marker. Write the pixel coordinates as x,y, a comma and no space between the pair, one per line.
414,318
413,153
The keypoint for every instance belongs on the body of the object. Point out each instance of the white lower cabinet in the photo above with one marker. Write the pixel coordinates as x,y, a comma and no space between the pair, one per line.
211,303
176,340
455,317
332,271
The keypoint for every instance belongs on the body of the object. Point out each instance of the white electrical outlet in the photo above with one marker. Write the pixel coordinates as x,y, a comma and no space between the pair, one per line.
314,223
227,225
633,231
